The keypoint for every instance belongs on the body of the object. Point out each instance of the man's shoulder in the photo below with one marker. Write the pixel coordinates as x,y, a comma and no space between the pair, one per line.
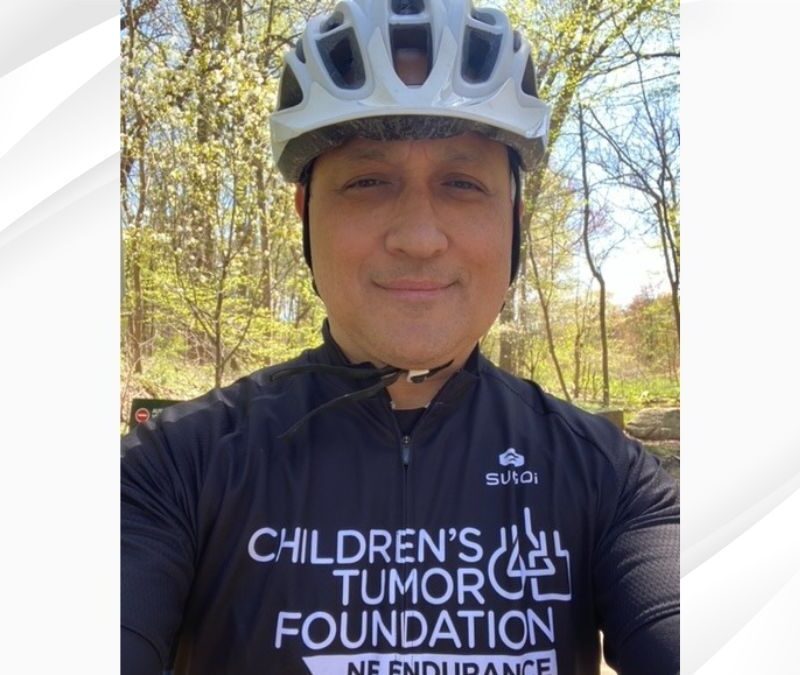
579,434
224,409
550,410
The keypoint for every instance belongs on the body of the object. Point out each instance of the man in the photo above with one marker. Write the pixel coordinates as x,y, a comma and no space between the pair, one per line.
391,503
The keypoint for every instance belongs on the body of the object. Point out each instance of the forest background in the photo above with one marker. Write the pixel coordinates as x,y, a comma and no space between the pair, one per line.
215,285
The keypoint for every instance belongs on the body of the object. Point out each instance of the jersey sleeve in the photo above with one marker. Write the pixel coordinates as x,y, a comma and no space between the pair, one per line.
139,657
636,568
158,541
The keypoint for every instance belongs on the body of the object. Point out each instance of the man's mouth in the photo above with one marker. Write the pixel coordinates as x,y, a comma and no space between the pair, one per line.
415,289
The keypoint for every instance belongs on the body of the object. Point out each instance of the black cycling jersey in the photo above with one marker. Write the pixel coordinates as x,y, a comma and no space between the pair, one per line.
499,537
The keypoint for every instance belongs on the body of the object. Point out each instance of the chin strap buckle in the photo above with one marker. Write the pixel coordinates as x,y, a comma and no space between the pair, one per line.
417,376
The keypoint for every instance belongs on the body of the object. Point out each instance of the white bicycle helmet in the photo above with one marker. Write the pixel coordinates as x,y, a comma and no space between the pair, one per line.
341,80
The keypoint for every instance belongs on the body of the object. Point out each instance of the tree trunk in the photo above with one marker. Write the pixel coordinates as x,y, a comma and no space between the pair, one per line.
136,319
576,372
592,266
507,338
137,316
545,305
671,260
265,237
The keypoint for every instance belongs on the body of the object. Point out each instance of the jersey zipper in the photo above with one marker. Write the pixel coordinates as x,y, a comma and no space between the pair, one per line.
405,457
405,451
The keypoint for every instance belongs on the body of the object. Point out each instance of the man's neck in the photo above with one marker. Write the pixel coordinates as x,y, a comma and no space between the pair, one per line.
407,395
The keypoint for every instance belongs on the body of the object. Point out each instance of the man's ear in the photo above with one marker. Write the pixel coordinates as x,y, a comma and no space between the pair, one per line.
300,199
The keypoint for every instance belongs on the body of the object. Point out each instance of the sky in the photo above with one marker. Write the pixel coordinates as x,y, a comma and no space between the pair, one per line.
630,268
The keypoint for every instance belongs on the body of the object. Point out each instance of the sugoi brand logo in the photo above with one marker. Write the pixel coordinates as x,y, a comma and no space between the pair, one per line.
511,458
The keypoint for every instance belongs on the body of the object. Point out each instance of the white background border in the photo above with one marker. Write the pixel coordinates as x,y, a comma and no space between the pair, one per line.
59,336
740,546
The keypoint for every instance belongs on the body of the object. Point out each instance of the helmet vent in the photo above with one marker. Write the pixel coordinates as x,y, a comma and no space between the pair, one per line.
334,21
408,6
411,44
517,41
480,55
298,48
483,17
290,93
342,59
529,79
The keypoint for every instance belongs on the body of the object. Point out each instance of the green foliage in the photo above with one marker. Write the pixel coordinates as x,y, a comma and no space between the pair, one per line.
653,391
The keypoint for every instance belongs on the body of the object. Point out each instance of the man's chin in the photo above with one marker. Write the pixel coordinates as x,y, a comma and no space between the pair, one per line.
407,345
423,357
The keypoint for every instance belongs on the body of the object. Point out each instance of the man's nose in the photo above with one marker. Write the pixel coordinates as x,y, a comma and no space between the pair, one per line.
416,229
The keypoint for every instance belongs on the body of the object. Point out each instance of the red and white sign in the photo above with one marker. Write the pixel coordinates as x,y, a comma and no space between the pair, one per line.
141,415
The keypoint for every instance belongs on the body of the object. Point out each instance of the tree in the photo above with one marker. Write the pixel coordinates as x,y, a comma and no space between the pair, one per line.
573,43
591,259
212,246
644,156
645,330
584,309
549,249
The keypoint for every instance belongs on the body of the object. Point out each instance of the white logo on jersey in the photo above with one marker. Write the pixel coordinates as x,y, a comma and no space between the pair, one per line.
511,458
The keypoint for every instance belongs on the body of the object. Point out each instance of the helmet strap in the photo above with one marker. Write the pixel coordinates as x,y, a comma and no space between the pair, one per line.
516,224
305,181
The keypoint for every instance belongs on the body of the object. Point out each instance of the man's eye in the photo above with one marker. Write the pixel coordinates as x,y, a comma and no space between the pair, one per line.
365,183
462,184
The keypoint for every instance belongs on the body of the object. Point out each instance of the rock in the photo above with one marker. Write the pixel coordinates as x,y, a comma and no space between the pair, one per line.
664,448
656,424
669,453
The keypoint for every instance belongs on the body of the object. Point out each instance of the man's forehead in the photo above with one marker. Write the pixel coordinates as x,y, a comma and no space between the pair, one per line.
467,147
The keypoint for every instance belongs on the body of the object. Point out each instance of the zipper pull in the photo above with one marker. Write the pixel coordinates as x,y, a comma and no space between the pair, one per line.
405,448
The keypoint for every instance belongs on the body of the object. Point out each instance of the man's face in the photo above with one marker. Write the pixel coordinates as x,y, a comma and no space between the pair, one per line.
411,245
